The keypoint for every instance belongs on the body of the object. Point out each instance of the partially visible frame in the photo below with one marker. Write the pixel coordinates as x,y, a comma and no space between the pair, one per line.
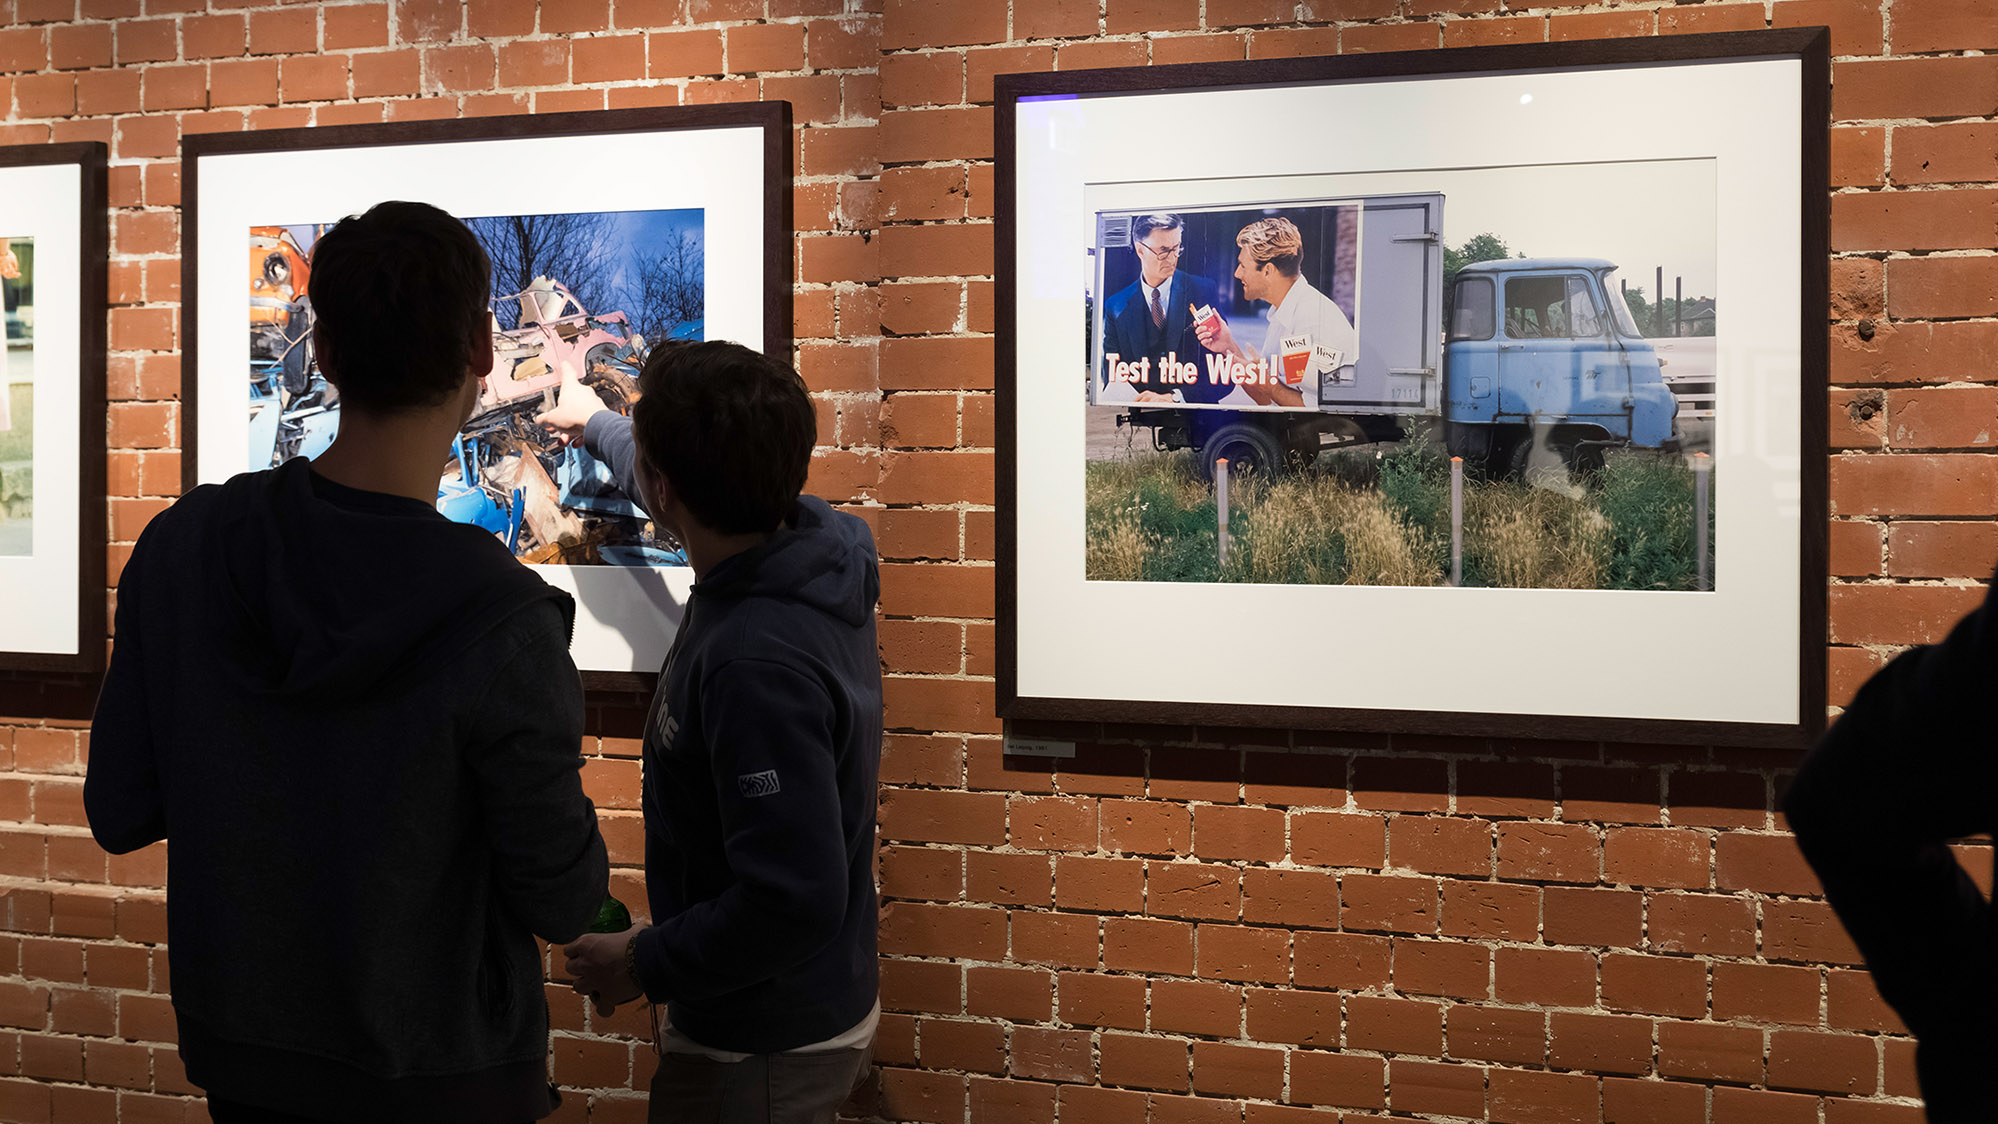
728,166
54,238
1740,664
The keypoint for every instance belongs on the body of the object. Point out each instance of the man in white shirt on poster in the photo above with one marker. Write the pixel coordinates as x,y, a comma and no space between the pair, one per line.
1306,327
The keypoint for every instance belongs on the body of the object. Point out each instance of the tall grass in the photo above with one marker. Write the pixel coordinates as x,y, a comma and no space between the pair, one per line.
1384,519
1317,531
1649,505
1532,538
1150,519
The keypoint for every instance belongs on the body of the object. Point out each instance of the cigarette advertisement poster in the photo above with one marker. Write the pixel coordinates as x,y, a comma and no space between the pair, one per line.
1216,307
1478,385
1506,317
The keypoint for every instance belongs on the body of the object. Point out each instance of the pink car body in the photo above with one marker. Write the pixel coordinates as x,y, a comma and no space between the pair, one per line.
554,327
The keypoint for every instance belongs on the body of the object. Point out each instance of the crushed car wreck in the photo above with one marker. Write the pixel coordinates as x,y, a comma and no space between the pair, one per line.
560,505
549,504
290,405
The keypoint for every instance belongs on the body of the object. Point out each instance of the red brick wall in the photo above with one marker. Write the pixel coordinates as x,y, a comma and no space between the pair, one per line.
1178,925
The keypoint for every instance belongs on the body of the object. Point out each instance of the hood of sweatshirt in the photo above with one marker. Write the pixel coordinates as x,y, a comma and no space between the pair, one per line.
822,558
332,591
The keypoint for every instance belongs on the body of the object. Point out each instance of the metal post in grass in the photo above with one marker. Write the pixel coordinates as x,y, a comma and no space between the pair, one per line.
1703,467
1658,304
1456,521
1221,505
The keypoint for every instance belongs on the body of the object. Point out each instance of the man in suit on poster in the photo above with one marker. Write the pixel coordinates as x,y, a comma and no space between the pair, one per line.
1152,317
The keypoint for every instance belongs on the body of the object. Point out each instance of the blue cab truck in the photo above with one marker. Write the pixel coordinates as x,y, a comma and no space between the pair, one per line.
1539,354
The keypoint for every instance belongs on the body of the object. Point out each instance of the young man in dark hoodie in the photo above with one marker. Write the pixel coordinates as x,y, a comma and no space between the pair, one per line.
358,724
761,751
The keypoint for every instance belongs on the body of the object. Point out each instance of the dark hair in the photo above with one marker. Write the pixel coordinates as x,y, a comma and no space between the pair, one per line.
731,429
399,298
1145,224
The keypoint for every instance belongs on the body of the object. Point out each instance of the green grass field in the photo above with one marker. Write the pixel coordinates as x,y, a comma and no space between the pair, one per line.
1358,518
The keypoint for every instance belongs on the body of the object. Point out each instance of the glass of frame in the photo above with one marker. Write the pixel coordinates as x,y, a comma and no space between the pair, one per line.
1444,391
53,244
609,232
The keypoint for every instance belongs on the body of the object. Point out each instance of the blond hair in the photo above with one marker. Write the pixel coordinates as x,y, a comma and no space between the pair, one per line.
1274,241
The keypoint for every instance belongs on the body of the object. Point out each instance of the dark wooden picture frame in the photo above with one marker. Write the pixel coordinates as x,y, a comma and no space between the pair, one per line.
615,134
86,464
1030,200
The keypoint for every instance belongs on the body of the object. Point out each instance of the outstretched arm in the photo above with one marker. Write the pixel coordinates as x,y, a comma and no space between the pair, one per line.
580,414
575,405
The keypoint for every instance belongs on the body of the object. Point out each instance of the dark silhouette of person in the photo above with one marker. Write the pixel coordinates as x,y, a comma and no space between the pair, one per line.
1907,768
356,723
762,753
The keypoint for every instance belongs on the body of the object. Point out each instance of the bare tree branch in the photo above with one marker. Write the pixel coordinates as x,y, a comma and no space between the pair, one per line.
577,250
671,288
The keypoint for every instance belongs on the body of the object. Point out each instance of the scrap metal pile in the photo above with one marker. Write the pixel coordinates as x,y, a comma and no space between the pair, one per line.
551,504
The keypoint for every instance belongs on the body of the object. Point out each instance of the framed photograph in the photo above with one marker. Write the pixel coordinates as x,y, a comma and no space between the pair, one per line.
609,232
1475,391
53,245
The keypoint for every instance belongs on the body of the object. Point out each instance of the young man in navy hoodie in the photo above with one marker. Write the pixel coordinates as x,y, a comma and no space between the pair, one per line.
761,751
358,724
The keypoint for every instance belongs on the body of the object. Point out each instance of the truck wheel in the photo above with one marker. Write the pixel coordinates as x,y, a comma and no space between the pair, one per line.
1483,447
1518,452
1585,461
1300,447
1249,448
1577,461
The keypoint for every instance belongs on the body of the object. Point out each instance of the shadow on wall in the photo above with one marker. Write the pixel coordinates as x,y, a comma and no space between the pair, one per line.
1513,777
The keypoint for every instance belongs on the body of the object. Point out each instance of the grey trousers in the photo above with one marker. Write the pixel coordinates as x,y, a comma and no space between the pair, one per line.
760,1089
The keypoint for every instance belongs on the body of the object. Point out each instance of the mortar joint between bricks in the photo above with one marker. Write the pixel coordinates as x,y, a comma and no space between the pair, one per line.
1910,188
1953,254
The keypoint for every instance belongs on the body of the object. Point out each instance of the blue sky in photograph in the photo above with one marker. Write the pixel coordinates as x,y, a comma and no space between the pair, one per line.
647,232
639,230
636,237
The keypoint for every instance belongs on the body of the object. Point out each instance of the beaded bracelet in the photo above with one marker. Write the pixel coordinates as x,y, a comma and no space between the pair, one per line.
631,961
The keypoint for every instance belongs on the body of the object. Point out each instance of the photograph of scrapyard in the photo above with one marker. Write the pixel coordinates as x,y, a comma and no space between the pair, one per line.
1498,377
595,290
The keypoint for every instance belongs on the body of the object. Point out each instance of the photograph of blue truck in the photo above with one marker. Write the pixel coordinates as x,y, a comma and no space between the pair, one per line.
1359,391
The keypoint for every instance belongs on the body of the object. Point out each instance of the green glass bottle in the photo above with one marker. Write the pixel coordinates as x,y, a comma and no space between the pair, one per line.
612,917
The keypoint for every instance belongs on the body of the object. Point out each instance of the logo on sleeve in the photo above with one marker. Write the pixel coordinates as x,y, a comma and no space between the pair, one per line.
758,784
